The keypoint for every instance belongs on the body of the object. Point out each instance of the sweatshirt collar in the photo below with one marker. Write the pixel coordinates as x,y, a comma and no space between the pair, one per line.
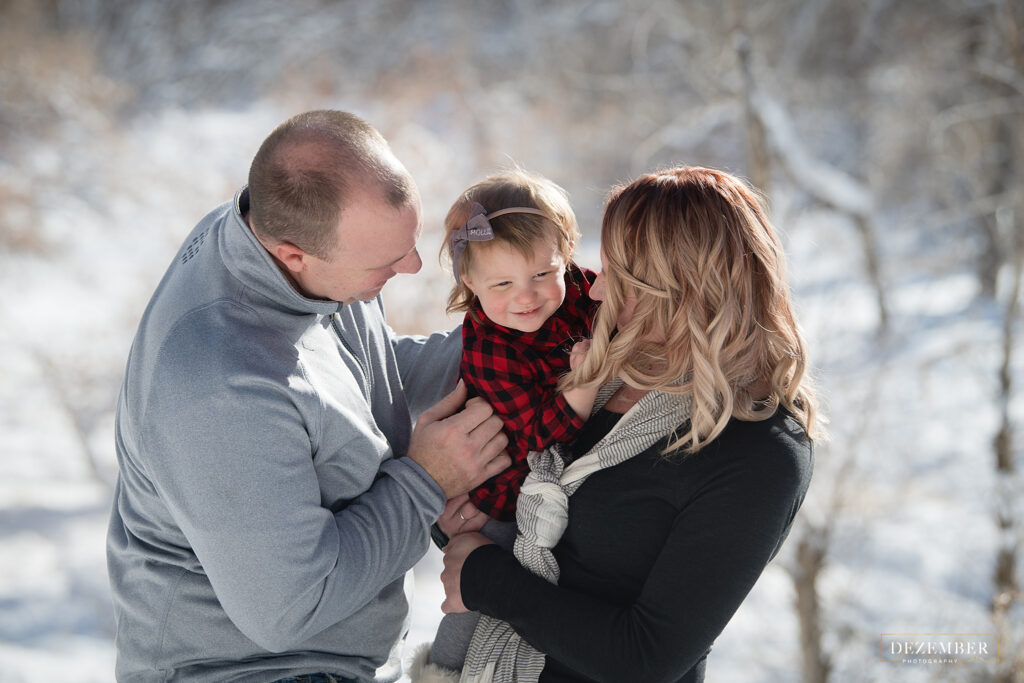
253,265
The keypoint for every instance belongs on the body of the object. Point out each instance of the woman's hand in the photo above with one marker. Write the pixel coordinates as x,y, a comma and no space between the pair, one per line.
455,554
460,516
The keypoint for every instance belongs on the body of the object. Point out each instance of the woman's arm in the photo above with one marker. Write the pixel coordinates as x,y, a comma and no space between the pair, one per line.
718,546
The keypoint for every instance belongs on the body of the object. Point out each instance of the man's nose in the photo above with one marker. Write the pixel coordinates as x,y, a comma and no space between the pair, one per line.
410,264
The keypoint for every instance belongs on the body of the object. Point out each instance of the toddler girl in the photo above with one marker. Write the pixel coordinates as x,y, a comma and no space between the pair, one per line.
510,239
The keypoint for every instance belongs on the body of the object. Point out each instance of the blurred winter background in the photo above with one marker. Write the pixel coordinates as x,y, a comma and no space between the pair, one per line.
887,134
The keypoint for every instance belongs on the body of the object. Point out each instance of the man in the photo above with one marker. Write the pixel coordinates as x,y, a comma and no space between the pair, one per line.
272,491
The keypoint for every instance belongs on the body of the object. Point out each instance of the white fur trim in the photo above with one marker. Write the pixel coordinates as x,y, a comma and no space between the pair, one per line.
422,671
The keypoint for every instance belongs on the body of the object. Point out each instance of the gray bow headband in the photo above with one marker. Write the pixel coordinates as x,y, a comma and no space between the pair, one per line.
478,229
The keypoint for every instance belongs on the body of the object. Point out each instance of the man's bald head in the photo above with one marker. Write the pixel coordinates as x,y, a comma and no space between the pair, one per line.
310,168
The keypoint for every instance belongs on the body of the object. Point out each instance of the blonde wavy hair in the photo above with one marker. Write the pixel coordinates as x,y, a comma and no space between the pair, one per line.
522,231
713,316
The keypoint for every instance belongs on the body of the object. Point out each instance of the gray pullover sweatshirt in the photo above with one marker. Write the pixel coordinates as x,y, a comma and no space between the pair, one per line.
264,516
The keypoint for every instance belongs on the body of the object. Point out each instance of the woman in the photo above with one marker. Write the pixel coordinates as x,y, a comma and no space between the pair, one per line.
642,538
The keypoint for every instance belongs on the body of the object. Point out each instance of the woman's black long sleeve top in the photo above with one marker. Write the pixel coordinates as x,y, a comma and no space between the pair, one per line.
658,554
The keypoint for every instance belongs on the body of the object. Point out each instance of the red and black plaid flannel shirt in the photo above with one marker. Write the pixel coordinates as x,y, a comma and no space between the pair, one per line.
517,372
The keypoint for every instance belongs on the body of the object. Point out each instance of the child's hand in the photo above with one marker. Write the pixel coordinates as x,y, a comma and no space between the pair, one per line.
578,353
580,399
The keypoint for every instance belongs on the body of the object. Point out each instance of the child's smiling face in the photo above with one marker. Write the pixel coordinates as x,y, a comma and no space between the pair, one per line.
516,291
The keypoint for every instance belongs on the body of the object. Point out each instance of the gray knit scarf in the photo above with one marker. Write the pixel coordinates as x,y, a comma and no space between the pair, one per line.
497,654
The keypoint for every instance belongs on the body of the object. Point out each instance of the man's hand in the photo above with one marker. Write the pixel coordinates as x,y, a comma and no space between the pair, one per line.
455,554
460,516
460,449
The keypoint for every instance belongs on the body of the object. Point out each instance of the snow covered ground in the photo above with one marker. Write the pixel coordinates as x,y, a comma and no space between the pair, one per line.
913,416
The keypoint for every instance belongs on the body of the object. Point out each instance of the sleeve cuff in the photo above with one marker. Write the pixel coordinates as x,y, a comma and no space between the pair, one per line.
487,566
574,421
420,485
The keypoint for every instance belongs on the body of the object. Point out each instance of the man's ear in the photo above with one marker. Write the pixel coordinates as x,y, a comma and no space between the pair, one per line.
293,257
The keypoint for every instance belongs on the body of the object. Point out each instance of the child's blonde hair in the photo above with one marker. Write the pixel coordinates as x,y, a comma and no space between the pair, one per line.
522,231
